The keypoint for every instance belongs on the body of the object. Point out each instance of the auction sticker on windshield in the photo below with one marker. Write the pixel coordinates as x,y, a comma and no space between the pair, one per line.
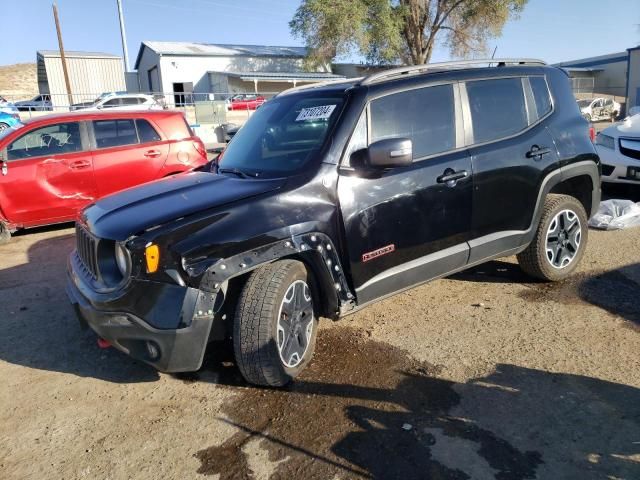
315,113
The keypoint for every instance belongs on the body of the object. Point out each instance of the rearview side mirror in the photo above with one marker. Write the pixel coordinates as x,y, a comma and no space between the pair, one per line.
391,152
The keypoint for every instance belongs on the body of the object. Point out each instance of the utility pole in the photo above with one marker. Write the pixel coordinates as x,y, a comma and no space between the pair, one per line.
123,34
62,57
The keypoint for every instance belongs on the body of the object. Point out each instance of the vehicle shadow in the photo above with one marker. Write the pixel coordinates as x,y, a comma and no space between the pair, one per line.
392,417
616,291
495,271
38,327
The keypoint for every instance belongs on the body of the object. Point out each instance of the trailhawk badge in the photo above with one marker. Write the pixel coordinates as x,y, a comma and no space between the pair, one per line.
378,253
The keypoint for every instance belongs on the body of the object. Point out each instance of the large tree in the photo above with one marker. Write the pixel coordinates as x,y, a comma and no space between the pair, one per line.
399,31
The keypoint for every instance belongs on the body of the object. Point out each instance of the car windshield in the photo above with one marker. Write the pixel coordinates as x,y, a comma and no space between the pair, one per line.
282,135
584,103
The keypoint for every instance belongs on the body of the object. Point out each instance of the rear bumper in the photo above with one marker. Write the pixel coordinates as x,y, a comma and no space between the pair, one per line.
168,350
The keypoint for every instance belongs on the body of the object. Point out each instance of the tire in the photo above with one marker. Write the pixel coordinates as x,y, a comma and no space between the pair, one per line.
3,126
587,117
559,242
5,234
264,353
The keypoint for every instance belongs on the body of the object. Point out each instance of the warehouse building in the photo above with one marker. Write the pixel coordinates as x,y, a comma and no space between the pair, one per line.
601,75
90,74
180,69
633,77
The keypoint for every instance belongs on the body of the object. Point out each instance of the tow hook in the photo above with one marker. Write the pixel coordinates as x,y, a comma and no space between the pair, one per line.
102,343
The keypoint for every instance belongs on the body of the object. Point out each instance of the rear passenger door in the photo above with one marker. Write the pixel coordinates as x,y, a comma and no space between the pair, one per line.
511,152
126,152
405,225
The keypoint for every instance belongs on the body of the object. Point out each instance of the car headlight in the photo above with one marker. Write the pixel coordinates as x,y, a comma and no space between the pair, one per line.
605,141
122,260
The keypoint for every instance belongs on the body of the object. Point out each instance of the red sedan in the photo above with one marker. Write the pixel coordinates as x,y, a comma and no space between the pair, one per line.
53,166
245,101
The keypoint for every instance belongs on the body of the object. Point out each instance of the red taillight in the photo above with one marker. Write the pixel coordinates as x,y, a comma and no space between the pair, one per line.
199,146
592,134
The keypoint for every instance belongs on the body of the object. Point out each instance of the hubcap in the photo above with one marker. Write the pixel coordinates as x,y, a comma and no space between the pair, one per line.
295,324
563,239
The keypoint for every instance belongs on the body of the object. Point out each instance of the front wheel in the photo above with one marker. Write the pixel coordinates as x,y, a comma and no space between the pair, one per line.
5,234
3,126
559,241
275,324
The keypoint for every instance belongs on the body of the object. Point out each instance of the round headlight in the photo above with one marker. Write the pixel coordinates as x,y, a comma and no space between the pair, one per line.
122,259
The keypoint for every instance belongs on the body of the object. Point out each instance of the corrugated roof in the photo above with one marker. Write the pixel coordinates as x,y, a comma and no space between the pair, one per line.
224,50
275,76
76,54
592,61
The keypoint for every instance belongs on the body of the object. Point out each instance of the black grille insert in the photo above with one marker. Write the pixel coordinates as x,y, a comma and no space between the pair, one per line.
87,251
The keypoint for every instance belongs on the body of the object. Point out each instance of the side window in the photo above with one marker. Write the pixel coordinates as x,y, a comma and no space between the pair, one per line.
541,95
114,102
498,108
114,133
146,132
358,139
47,141
424,115
129,101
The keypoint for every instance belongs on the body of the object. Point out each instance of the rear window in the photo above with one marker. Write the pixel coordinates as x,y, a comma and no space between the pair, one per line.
498,108
114,133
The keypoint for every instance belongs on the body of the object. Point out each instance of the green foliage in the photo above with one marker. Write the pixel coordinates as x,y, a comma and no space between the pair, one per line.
399,31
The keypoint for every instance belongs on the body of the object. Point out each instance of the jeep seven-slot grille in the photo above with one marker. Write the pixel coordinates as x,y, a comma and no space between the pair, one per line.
87,251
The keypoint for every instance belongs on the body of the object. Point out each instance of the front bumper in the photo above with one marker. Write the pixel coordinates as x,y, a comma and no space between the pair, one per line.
615,165
167,349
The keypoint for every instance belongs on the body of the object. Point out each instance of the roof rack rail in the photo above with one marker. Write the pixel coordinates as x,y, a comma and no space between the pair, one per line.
499,62
319,84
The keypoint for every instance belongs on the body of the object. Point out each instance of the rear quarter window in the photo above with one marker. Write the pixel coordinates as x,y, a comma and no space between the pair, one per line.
146,132
541,96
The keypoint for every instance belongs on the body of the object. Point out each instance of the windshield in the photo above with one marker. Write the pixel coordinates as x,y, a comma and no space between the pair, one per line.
584,103
282,135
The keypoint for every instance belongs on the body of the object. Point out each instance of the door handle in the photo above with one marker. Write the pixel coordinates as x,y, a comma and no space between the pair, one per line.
537,152
450,176
152,153
79,164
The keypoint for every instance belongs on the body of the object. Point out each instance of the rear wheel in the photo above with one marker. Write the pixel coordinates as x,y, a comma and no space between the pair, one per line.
587,117
275,324
559,242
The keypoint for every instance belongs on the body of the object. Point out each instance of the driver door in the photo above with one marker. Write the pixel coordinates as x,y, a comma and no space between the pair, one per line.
48,175
406,225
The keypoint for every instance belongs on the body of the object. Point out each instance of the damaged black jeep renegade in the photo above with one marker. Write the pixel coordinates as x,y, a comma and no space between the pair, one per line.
333,196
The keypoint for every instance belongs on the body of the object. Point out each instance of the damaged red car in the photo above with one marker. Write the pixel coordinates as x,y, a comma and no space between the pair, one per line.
53,166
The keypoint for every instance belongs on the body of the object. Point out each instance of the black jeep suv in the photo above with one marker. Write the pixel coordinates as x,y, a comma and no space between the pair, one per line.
333,196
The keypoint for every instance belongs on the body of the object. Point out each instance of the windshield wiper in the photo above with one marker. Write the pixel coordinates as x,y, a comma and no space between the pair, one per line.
237,172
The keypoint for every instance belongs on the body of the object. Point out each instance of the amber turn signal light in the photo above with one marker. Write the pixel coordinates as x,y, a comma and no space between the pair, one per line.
152,256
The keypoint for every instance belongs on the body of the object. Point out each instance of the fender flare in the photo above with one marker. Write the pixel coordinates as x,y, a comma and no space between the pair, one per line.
314,248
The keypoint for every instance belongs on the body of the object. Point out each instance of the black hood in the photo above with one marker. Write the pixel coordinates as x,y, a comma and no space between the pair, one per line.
134,210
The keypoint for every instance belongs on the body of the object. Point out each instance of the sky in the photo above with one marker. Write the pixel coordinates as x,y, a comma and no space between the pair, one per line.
552,30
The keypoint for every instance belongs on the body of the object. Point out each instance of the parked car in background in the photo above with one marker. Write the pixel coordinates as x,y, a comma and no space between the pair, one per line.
7,107
599,109
332,197
245,101
619,150
120,101
39,103
54,165
8,120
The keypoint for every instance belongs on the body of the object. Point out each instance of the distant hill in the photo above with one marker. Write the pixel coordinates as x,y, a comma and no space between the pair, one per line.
19,81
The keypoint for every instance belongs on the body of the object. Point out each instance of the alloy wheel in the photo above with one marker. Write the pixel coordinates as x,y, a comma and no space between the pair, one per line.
563,238
295,324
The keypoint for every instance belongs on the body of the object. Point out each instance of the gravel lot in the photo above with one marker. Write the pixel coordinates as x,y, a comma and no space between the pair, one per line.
482,375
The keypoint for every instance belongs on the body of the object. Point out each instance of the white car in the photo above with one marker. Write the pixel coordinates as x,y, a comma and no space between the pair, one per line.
619,150
598,109
121,101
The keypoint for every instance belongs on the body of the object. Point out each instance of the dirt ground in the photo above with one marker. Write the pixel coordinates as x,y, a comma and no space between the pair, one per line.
482,375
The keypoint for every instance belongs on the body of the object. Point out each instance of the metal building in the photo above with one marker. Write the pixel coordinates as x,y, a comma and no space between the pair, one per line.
198,69
633,77
90,74
601,75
